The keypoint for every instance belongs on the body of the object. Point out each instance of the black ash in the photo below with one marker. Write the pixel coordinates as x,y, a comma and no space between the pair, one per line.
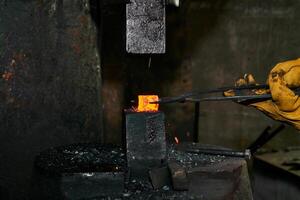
81,158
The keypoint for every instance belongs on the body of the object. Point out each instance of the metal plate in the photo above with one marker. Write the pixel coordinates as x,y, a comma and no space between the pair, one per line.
146,27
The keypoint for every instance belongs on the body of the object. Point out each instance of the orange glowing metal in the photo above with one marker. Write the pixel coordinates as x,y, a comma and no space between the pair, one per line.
145,104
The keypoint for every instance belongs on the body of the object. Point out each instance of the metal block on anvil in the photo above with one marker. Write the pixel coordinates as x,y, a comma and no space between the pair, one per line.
146,27
145,142
225,180
179,176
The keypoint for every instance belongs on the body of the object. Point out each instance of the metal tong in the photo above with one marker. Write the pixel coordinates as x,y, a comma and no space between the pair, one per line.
264,138
240,97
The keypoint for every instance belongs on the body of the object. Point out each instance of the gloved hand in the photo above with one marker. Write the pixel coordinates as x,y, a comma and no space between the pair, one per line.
285,105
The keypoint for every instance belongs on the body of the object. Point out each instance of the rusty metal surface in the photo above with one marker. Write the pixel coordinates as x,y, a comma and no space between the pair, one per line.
146,27
50,83
178,173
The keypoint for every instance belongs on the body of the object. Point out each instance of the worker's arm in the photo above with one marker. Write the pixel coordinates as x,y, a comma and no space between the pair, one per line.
285,105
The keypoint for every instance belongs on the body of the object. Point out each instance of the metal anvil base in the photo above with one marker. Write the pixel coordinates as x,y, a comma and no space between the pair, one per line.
145,141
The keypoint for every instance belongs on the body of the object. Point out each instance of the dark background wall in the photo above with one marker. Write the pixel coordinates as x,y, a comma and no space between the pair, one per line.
53,88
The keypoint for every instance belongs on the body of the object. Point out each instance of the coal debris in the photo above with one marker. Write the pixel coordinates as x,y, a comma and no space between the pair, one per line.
81,158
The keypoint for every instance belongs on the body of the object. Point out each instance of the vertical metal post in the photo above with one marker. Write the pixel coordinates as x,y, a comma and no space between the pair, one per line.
196,122
145,142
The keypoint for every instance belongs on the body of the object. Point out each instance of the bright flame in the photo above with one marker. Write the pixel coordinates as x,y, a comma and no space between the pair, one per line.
176,140
145,104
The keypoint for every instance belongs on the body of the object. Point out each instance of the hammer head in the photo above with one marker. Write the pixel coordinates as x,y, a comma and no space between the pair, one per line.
145,27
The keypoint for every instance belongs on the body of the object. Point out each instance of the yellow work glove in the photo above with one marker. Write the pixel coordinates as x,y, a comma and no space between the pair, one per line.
285,105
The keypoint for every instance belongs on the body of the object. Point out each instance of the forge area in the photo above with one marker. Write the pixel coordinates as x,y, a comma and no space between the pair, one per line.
124,99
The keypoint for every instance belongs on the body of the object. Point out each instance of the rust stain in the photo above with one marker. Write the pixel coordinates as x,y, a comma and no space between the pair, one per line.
19,57
13,63
75,32
83,19
7,76
77,37
76,48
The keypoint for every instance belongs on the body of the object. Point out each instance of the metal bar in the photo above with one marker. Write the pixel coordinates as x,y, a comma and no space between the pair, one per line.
241,154
196,122
221,89
265,137
187,96
236,98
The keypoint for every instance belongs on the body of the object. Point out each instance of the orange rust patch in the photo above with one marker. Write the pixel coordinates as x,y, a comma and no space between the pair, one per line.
83,19
7,76
19,57
76,48
75,32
